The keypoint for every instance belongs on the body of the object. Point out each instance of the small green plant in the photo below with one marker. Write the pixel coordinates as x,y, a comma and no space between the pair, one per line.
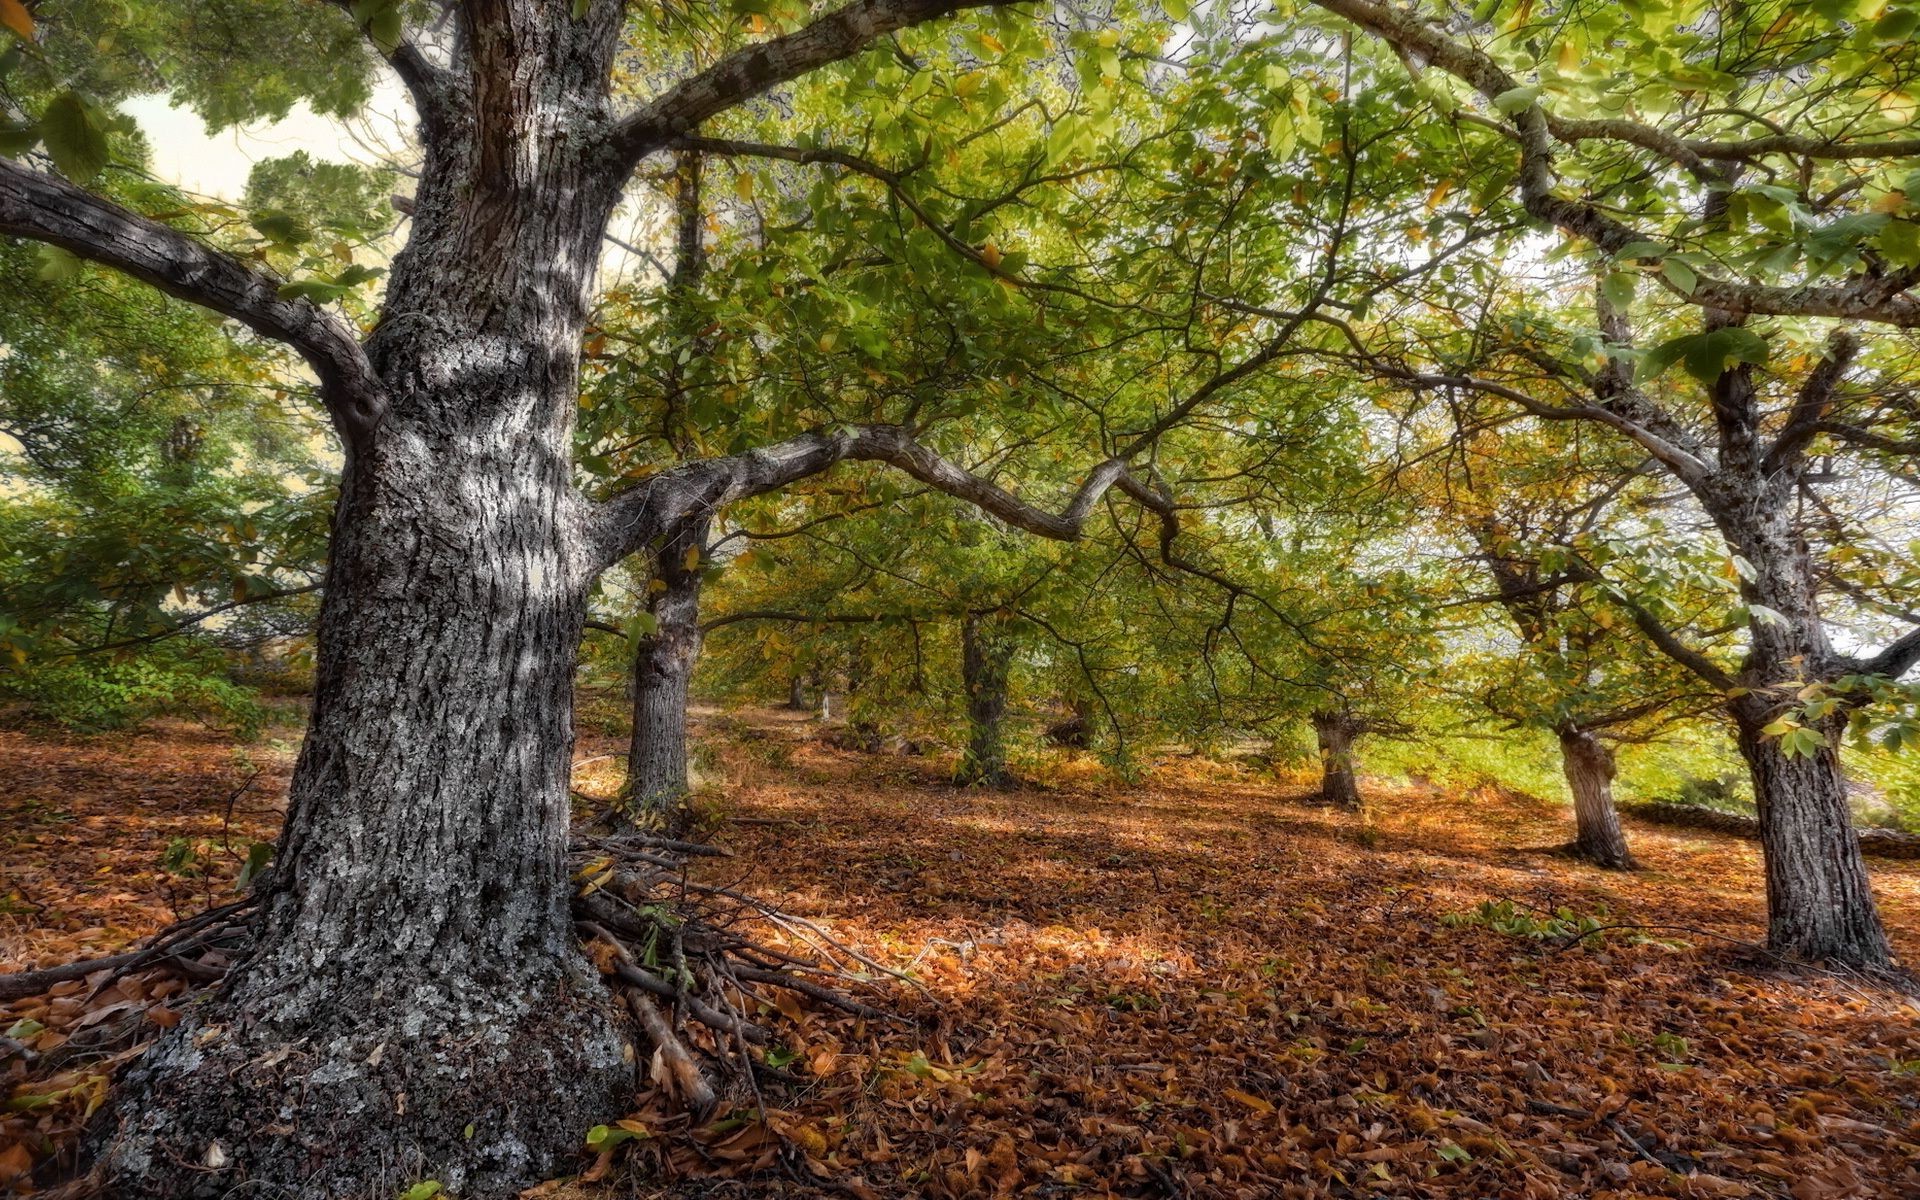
1673,1048
1524,921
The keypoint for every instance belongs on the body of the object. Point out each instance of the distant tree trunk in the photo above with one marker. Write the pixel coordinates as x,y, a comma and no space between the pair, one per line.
663,662
986,656
1075,732
1335,731
1589,768
797,693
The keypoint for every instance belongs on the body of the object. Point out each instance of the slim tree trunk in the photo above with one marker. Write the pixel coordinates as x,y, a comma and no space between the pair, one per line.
986,656
1334,732
797,693
1819,902
663,662
1589,768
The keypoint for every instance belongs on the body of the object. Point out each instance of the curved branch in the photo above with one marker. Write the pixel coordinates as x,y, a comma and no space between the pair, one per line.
1880,298
49,209
752,70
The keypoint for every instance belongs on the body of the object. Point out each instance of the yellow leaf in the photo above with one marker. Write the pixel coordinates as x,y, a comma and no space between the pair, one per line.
692,560
1252,1101
990,254
992,43
14,16
743,185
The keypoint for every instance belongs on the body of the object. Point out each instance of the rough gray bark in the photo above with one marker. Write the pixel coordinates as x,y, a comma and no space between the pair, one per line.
1819,903
416,976
1334,732
797,693
986,655
1588,765
663,662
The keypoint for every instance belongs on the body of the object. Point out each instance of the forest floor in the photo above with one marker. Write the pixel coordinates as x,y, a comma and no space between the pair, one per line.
1194,986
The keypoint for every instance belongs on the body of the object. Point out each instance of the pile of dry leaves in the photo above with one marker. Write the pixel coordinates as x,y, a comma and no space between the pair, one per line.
1194,987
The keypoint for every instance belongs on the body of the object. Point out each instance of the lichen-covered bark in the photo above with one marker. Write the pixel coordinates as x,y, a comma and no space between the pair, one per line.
1589,768
1819,904
663,662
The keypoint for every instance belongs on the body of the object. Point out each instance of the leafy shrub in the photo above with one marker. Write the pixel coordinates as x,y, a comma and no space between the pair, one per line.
1521,921
95,695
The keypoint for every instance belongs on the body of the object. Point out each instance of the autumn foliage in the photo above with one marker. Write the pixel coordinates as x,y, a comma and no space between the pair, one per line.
1199,986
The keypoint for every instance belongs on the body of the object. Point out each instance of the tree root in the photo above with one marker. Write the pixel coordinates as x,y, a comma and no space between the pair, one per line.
700,966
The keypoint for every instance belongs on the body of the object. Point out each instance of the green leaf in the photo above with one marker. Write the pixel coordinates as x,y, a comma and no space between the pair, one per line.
606,1137
57,265
381,20
1176,10
1680,275
1618,288
1517,100
320,291
281,227
258,856
425,1190
1900,242
76,137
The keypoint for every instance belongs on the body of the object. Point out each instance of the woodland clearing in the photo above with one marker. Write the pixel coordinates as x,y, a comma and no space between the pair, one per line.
1197,985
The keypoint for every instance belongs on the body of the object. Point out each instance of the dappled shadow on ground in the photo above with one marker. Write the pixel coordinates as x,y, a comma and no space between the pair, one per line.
1199,986
1205,986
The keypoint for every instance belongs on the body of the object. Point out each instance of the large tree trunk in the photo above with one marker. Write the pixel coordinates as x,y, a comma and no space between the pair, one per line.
415,1006
1334,732
1819,902
1589,768
986,657
663,662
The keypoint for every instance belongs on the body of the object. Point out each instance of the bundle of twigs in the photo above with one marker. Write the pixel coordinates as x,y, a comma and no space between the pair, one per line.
684,956
691,960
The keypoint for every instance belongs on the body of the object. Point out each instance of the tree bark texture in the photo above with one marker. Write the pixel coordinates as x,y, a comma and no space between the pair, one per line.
1334,733
986,658
1819,901
416,1006
663,662
1589,767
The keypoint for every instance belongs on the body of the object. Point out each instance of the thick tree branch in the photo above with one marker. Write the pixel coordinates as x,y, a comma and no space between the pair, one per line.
800,618
1900,656
1810,407
48,209
752,70
635,518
